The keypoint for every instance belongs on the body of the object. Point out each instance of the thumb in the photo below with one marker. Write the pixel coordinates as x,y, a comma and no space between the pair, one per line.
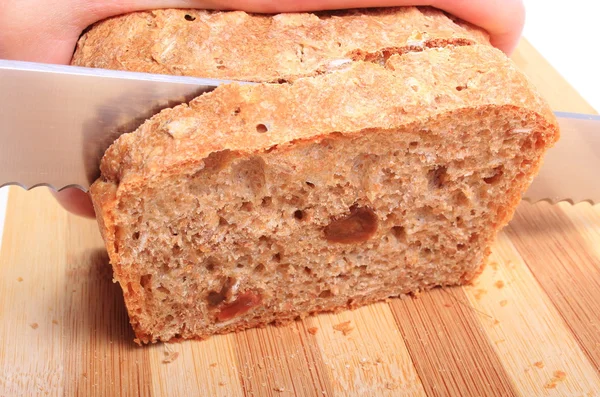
48,33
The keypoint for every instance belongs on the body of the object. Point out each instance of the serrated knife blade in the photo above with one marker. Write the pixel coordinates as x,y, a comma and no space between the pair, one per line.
56,122
570,171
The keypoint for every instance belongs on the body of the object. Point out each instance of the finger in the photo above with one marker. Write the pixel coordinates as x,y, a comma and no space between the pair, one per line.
34,32
75,201
503,19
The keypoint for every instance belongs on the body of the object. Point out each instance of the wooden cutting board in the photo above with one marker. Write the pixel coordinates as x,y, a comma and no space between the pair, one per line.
529,326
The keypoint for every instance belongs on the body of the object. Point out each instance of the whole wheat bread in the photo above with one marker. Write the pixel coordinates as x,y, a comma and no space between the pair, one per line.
380,156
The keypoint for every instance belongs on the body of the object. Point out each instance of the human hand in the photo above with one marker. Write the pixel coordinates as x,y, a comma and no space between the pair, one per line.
47,30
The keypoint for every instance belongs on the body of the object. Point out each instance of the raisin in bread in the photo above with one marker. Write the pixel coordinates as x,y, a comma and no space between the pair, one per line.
379,156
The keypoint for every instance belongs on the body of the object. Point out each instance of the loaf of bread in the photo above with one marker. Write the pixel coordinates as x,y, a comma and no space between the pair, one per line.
379,156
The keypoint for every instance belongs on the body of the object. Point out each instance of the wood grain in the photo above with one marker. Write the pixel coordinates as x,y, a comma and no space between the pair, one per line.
281,361
209,366
32,348
565,266
528,333
529,326
451,353
365,354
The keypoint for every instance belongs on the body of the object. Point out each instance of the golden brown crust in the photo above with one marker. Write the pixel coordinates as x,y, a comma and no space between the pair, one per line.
410,88
241,46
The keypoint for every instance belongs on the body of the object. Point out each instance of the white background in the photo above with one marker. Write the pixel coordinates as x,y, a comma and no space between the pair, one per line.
566,33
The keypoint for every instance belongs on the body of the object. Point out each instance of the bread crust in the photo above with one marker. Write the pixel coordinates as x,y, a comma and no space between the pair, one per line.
263,48
408,88
410,68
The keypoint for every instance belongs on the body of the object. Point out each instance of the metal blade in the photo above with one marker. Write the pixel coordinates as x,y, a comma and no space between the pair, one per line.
571,168
57,121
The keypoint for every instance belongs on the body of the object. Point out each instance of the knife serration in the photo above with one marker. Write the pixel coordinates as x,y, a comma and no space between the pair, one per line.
73,114
570,171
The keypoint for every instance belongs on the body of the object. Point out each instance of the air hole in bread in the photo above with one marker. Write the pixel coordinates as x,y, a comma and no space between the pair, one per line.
277,257
169,318
266,202
326,294
461,87
247,206
399,233
145,281
261,128
495,177
189,17
437,177
215,298
176,250
299,214
136,236
260,268
237,111
413,145
540,143
307,270
210,264
461,247
460,198
216,161
310,184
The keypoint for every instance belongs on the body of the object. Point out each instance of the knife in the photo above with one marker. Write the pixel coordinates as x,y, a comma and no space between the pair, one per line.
57,121
75,113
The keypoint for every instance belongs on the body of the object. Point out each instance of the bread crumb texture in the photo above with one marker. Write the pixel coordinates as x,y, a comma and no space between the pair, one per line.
378,156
